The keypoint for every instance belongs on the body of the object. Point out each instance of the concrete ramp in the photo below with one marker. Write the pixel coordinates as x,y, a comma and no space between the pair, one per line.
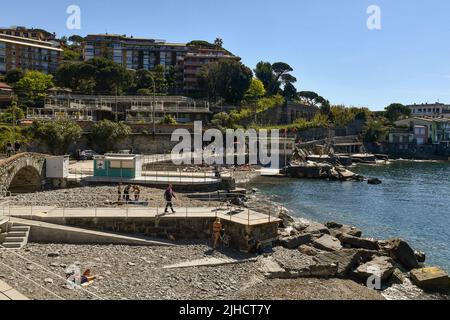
208,262
42,232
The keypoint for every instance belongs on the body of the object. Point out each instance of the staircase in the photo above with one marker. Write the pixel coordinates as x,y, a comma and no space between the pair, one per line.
17,237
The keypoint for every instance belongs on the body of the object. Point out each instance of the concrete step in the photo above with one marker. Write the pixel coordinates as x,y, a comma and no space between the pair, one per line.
19,234
20,228
14,239
13,245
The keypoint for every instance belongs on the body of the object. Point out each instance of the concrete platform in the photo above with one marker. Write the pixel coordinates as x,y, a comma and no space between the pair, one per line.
7,293
241,225
47,214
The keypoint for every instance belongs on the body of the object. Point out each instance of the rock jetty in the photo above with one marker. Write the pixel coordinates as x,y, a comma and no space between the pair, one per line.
333,250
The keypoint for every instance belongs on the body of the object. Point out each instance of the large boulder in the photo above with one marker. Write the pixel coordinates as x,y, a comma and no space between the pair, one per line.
356,242
327,243
432,279
346,260
286,219
316,228
298,265
401,252
337,229
380,266
308,250
293,242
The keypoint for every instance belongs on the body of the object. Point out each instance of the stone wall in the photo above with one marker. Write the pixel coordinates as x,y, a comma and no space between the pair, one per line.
180,228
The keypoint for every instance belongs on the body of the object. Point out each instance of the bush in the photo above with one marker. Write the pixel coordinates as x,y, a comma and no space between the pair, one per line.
106,134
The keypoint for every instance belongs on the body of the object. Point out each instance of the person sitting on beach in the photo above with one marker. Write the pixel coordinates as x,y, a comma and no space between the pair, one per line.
168,196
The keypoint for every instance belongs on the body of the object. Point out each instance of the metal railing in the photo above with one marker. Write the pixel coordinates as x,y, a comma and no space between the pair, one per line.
215,205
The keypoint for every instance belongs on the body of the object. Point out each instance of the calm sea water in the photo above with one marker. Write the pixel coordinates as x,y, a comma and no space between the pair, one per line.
412,203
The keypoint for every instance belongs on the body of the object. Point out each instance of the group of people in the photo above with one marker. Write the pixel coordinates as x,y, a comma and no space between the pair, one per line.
125,195
12,149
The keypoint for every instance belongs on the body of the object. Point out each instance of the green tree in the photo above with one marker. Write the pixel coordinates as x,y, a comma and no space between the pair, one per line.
57,135
106,134
33,86
226,79
375,130
168,119
13,113
110,77
78,76
13,76
290,91
98,75
72,55
396,111
76,39
264,72
159,74
256,90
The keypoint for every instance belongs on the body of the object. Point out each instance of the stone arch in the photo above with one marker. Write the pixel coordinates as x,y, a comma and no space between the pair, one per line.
26,179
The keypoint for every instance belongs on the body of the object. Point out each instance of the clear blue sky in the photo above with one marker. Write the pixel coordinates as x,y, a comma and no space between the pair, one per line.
325,41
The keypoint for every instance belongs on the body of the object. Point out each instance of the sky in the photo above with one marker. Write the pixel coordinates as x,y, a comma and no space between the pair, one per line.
327,42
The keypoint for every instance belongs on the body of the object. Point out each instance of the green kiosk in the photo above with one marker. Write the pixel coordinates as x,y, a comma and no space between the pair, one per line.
127,166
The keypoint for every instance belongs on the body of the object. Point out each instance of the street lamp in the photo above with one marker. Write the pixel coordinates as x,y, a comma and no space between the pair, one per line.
153,106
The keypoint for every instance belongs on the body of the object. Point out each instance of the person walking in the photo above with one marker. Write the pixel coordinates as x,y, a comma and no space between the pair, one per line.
168,196
217,230
126,193
137,193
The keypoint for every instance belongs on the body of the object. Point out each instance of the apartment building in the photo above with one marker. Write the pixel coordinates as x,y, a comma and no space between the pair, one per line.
197,57
138,53
23,32
28,54
429,110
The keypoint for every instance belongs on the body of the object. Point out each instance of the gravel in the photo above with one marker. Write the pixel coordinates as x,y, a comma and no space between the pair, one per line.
99,196
136,273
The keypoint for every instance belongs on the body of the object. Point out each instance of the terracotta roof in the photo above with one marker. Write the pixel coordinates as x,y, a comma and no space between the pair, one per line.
5,86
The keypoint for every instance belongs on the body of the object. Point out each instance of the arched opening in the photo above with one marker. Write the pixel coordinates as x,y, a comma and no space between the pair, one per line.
26,180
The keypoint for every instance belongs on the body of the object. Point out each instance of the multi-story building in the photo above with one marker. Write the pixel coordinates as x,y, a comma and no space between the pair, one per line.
197,57
139,53
23,32
28,54
132,109
427,130
429,110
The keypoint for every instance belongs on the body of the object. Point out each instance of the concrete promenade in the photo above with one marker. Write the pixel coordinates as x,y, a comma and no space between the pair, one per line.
241,216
